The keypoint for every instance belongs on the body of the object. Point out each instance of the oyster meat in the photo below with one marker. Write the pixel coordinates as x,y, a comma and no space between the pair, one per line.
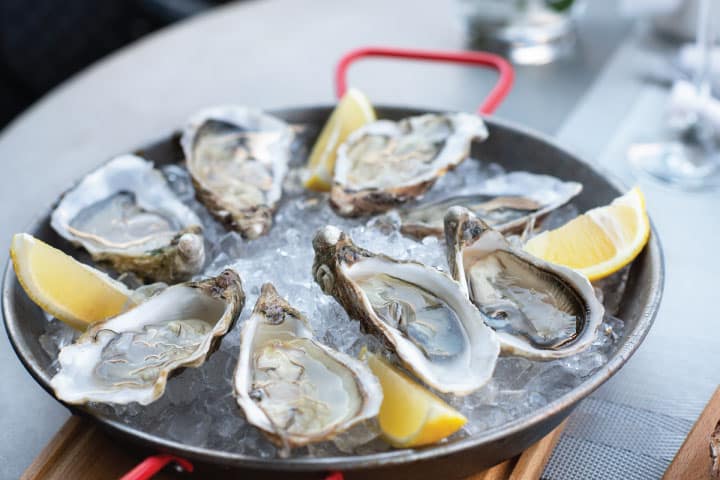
505,202
125,214
238,158
422,314
386,163
538,309
128,358
295,389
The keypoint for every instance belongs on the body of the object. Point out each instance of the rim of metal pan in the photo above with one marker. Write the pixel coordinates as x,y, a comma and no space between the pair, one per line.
394,457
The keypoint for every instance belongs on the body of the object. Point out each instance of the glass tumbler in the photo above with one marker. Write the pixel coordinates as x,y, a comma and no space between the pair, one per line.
529,32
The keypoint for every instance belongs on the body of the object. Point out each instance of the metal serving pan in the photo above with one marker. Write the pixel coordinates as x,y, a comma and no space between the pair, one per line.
513,147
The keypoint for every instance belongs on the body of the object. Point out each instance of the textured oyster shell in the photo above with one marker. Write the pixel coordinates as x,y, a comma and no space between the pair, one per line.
238,158
505,203
456,354
125,214
539,309
295,389
128,358
386,163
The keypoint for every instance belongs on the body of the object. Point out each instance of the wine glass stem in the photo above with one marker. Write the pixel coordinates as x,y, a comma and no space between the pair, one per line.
704,43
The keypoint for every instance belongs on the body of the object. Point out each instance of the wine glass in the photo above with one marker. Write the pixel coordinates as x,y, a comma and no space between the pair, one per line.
690,159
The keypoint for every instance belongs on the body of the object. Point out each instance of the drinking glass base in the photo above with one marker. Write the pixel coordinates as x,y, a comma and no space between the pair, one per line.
677,164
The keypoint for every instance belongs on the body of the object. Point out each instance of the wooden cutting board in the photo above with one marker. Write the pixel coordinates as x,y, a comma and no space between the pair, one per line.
693,459
81,450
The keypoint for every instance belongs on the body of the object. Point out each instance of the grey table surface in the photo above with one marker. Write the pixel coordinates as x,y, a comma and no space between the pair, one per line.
276,53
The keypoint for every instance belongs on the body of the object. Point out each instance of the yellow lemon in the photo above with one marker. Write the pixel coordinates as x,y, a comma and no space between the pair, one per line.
410,415
65,288
352,112
601,241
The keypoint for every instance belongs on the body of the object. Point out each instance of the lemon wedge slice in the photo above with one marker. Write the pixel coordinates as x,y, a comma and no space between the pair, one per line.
352,112
65,288
410,415
601,241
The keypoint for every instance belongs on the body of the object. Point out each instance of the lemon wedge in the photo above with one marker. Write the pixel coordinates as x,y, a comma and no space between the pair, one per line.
352,112
601,241
65,288
410,415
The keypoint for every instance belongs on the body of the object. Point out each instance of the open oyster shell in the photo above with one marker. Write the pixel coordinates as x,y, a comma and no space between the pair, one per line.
129,357
422,314
505,202
295,389
125,214
538,309
386,163
237,158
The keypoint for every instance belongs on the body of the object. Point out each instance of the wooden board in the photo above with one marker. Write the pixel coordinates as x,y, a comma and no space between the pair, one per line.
693,459
81,450
529,465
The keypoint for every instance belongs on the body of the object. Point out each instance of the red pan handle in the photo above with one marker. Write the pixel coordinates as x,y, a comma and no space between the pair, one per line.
494,98
147,469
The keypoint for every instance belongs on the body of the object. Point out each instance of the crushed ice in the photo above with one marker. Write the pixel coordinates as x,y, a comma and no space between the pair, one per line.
198,407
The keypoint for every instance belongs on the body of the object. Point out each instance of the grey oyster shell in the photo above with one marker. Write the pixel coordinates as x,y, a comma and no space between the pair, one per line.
538,309
294,388
506,203
129,358
422,314
384,164
238,158
125,214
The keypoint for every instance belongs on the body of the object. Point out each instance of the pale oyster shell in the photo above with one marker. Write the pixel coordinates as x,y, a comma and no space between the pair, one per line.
292,387
386,163
238,158
423,315
124,213
538,309
506,203
128,358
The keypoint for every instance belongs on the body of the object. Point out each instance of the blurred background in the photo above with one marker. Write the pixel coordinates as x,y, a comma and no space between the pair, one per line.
43,42
31,30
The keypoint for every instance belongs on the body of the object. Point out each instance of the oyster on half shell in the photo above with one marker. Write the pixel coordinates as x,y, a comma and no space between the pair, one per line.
386,163
295,389
538,309
238,158
422,314
505,202
125,214
128,358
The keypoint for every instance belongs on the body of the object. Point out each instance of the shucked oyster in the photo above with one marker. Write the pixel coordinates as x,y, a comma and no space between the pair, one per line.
538,309
504,202
294,388
129,357
124,213
237,158
386,163
422,314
